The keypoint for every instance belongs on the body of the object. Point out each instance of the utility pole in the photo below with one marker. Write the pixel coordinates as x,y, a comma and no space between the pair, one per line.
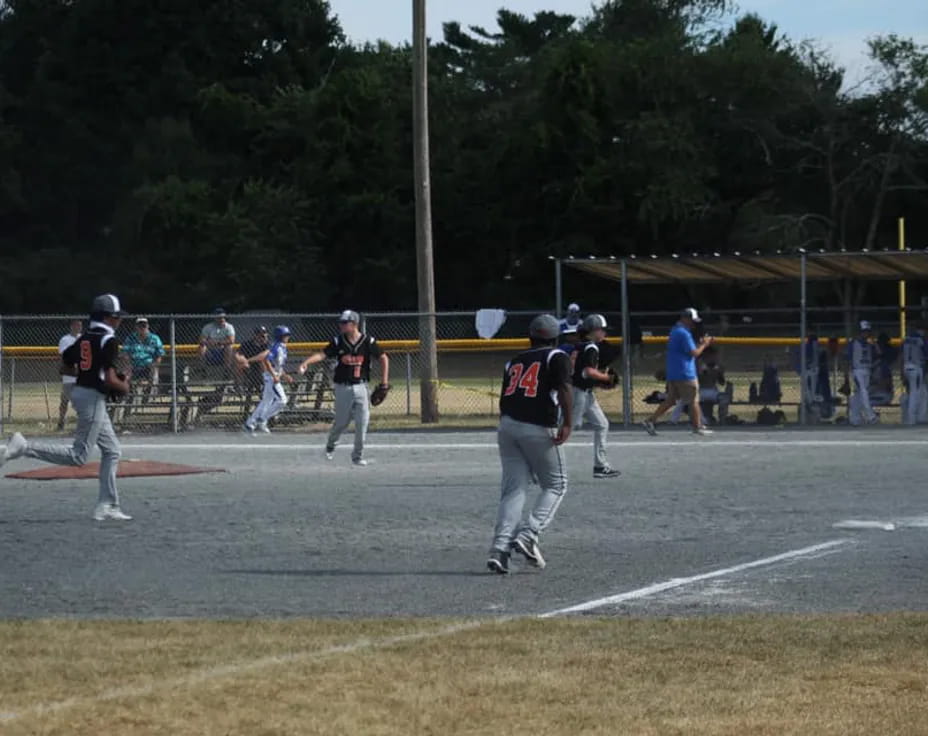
425,266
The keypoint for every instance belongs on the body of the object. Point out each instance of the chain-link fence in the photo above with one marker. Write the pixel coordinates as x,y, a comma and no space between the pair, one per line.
198,381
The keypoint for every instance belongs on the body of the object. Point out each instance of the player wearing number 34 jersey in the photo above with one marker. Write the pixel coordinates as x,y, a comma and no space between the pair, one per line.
535,408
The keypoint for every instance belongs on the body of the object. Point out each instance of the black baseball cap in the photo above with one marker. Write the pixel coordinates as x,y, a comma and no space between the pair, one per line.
219,312
108,305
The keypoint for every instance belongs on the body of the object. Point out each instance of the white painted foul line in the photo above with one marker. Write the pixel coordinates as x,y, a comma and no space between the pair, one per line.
815,550
707,444
240,668
908,522
236,669
886,526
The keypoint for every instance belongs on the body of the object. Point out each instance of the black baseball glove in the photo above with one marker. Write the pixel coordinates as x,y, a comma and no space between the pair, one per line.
115,395
379,394
613,379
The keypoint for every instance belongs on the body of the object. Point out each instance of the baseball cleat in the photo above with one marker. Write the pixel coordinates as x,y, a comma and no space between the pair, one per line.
360,462
703,432
15,448
498,562
530,550
111,512
263,428
606,472
649,427
250,431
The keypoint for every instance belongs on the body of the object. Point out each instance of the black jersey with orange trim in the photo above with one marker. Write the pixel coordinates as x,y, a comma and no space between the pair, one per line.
354,358
93,353
530,384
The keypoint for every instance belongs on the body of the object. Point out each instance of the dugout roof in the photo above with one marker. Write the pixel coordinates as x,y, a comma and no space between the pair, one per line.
719,268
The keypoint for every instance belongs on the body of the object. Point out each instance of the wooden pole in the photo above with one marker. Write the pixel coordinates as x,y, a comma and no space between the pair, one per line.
425,268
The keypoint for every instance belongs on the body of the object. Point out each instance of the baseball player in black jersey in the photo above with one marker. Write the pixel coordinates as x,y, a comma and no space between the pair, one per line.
92,359
353,352
587,376
535,421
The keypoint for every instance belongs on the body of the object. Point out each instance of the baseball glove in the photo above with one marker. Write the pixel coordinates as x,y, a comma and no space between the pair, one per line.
379,394
613,379
115,395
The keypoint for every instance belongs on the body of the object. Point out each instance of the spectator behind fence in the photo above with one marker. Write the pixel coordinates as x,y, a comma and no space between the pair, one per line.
711,377
145,350
249,359
67,382
216,340
682,352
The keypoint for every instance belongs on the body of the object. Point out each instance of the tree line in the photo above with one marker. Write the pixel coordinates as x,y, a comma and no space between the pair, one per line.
194,153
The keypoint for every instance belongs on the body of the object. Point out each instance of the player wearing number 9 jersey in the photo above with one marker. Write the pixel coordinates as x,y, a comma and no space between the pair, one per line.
91,360
535,420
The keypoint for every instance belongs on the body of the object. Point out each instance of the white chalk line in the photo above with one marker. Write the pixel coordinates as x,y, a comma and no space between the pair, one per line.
239,668
886,525
805,552
708,444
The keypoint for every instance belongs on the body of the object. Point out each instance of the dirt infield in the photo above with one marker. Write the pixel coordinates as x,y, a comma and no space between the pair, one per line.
770,675
127,469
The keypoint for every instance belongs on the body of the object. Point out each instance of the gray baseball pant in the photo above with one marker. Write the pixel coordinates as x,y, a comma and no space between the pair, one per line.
273,401
861,410
587,408
526,450
915,390
93,428
352,402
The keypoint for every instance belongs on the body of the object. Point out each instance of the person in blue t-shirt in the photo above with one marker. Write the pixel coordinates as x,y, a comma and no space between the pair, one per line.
682,384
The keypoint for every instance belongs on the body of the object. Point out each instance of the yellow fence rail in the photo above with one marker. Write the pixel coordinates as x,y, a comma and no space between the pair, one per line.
444,346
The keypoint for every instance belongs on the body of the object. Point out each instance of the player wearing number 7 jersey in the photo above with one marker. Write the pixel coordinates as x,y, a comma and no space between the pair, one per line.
535,408
353,352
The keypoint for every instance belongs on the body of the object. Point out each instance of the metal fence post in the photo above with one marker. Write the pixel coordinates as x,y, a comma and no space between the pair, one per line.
558,288
626,352
802,339
174,421
9,407
1,375
408,384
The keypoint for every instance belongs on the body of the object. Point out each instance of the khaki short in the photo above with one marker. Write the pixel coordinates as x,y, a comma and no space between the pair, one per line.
684,391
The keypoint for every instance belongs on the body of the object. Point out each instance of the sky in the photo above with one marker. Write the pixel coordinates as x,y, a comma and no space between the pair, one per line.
842,26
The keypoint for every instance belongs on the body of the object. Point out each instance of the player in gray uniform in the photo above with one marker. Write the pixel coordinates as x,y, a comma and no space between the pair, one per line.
353,352
535,421
860,358
587,376
92,360
914,357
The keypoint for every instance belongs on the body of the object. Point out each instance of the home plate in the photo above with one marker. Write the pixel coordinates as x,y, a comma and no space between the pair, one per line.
127,469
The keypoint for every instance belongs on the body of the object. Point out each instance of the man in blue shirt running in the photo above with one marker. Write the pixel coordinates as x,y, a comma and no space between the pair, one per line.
682,384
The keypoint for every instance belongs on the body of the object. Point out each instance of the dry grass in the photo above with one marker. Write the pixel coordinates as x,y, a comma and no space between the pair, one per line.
774,675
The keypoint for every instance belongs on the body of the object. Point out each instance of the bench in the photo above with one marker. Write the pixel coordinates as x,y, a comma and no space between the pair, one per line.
205,398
